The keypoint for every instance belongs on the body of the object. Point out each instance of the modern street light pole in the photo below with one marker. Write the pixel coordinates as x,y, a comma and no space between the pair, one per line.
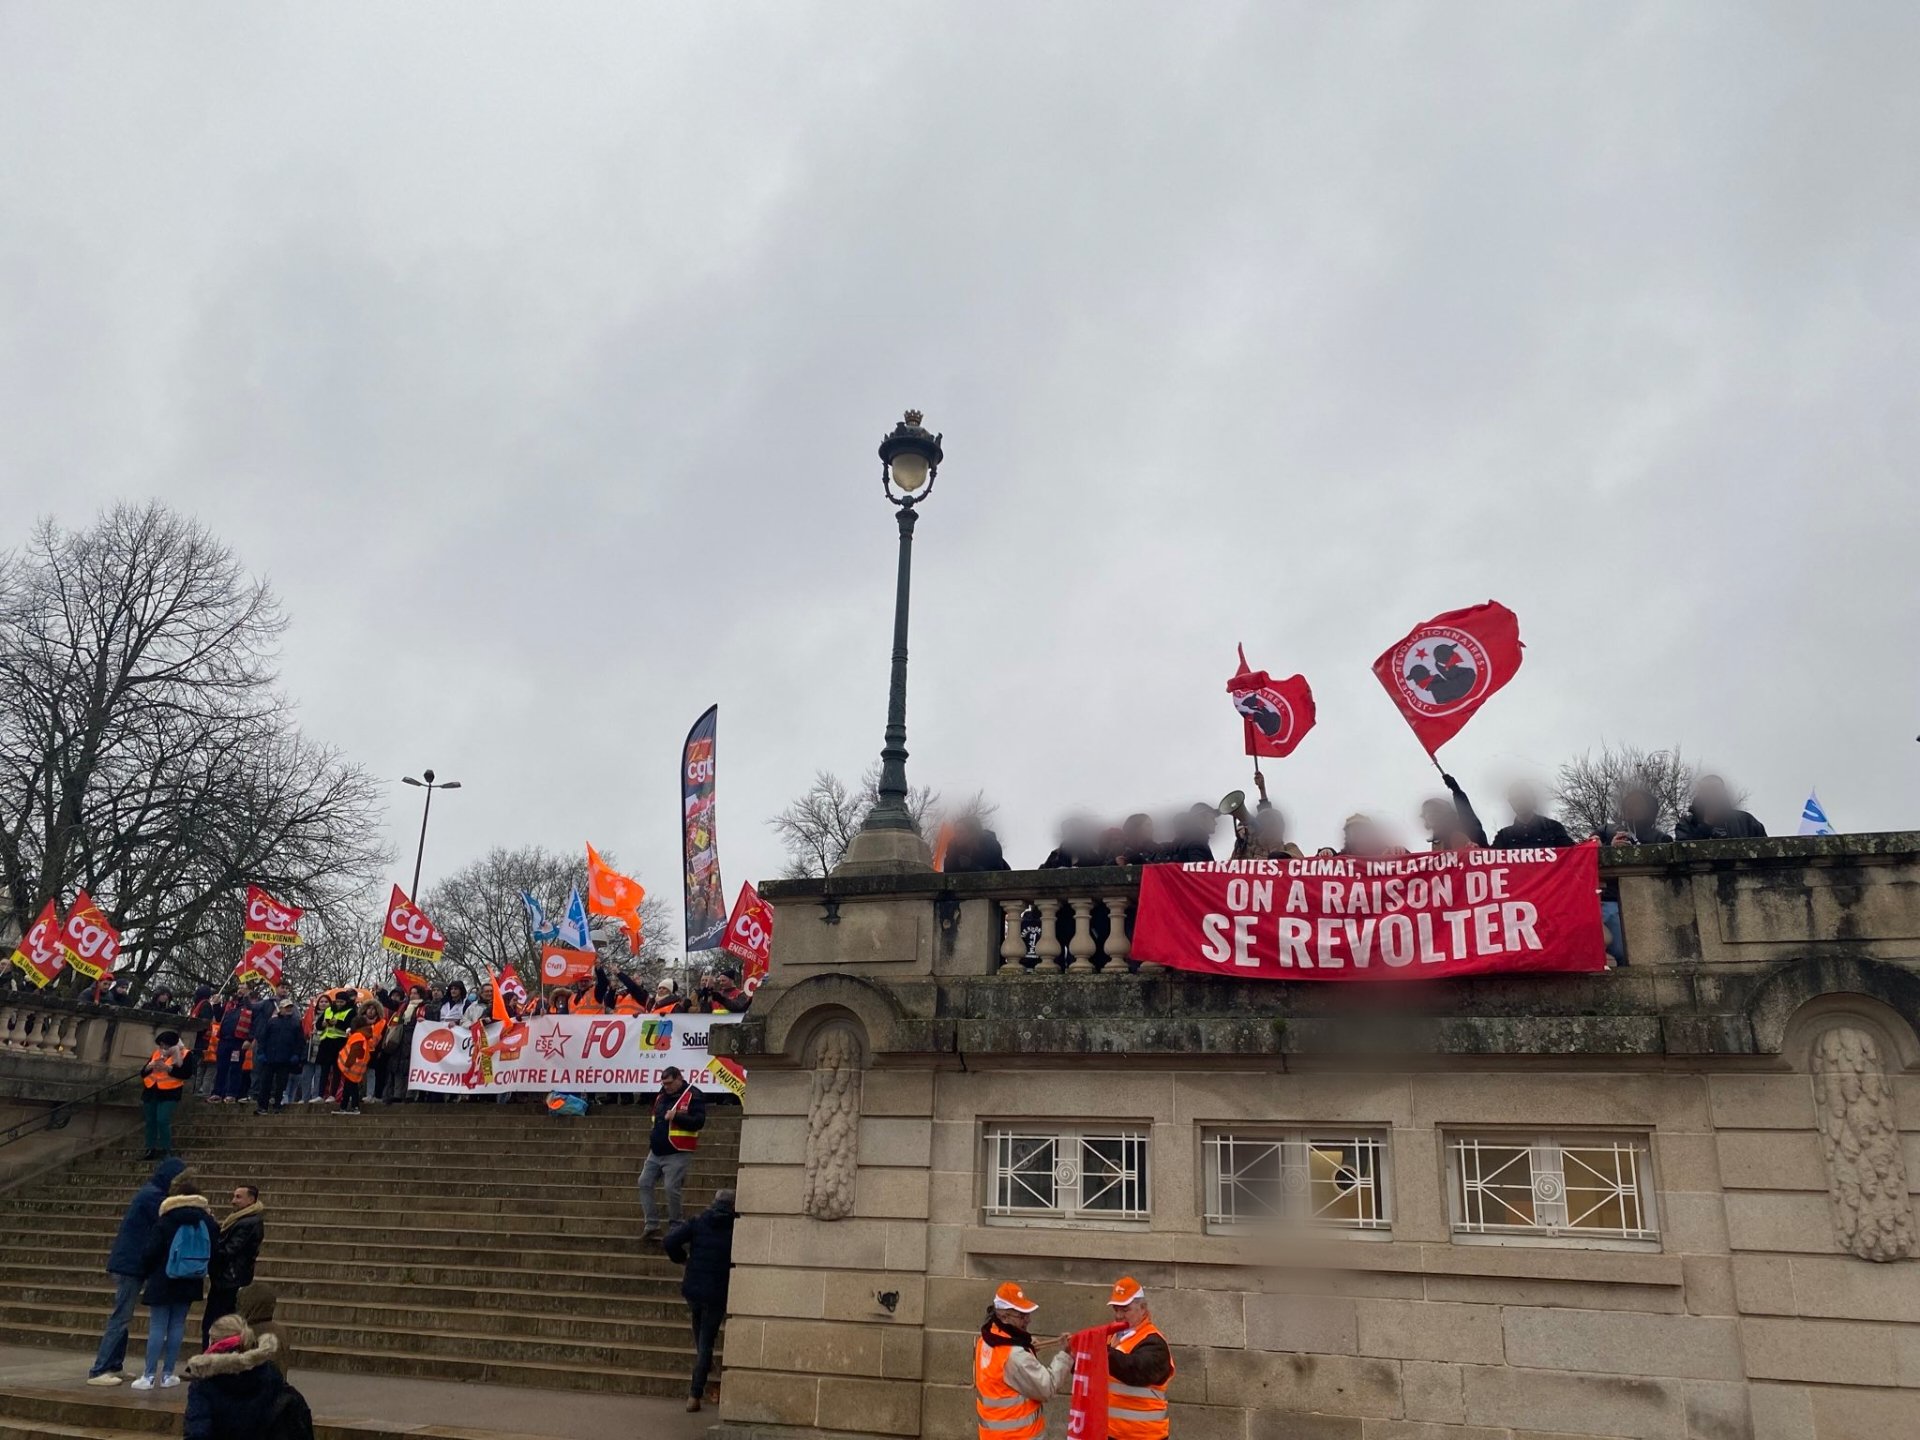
910,459
427,784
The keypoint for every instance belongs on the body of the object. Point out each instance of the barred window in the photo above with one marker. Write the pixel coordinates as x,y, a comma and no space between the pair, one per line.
1262,1177
1578,1187
1066,1172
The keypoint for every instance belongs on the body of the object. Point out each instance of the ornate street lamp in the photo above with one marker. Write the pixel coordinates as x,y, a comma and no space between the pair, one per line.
888,840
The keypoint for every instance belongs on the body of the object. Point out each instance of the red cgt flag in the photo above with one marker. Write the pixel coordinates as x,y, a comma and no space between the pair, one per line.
408,932
1446,669
1277,714
270,919
91,943
39,954
750,936
264,960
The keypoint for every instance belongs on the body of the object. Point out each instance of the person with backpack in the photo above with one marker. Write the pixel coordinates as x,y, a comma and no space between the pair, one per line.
126,1263
236,1391
179,1253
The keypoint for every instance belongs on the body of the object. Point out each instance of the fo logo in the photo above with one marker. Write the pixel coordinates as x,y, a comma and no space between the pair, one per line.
436,1045
1441,670
656,1034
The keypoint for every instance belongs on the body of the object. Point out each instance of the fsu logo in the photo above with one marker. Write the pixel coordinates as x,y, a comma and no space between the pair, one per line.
1268,711
436,1046
1440,670
656,1034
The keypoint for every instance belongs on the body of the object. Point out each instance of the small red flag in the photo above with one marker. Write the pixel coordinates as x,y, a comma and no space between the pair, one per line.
409,932
407,979
270,919
91,943
264,960
39,954
1277,714
750,936
1446,669
1087,1414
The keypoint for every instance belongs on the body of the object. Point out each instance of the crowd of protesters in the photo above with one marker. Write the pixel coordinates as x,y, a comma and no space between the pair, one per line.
1450,823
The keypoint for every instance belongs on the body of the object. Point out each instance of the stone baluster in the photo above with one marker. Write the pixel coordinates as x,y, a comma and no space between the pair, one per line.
1118,945
12,1027
1049,946
1081,945
1013,945
66,1035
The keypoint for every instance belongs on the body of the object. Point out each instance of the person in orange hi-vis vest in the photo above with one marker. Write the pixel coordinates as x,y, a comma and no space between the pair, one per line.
1139,1365
353,1066
1009,1381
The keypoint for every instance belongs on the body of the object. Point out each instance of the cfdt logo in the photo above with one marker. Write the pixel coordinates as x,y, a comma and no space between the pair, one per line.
656,1034
437,1045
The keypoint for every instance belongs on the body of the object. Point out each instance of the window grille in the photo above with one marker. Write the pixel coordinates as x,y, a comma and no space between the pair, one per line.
1264,1177
1568,1186
1067,1173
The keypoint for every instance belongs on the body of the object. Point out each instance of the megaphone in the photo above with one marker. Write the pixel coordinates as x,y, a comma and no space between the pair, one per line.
1234,802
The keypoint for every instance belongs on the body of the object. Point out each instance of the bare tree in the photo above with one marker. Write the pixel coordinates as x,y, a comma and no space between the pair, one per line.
146,752
1588,787
819,824
480,910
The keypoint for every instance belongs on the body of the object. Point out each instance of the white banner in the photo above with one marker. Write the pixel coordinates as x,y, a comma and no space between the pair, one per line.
583,1053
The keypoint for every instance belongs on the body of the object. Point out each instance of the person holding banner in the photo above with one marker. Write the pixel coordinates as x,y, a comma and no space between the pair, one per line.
1139,1365
1011,1382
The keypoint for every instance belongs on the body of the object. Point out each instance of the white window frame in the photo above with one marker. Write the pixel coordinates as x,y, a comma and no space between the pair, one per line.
1560,1195
1292,1148
1072,1176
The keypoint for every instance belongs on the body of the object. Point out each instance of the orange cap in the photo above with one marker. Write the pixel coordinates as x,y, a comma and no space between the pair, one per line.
1011,1297
1126,1290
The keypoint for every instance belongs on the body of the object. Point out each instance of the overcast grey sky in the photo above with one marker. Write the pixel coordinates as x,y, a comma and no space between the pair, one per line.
539,354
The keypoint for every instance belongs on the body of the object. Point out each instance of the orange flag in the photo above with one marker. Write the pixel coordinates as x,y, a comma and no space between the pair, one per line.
614,895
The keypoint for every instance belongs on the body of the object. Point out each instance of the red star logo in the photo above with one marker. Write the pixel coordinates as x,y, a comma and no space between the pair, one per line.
551,1043
1421,653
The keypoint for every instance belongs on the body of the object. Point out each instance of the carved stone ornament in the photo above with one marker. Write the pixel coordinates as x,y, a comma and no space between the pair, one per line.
833,1127
1866,1175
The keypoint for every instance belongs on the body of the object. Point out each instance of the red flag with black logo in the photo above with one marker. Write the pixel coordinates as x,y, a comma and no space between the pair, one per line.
1443,671
1275,713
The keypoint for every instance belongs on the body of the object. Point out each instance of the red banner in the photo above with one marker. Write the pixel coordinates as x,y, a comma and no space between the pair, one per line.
263,960
39,954
409,932
1276,714
268,919
1087,1412
91,943
750,936
1446,669
1408,917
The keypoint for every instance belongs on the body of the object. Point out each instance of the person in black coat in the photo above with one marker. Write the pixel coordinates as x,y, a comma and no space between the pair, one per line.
1530,829
1452,825
168,1297
704,1244
973,848
1639,822
279,1050
127,1264
234,1252
1714,816
236,1390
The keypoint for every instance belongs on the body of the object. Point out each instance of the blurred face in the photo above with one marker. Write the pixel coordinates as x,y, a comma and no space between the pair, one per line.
1638,806
1436,815
1524,799
1364,837
1137,831
1271,827
1711,797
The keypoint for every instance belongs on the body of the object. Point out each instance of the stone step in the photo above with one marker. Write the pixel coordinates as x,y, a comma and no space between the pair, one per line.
499,1231
654,1301
488,1358
287,1195
491,1118
319,1318
451,1252
640,1276
30,1411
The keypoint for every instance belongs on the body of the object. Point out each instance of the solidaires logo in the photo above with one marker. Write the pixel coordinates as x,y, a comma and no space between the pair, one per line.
1441,669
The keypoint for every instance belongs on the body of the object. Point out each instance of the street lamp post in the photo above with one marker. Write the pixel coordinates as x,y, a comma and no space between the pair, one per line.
910,459
429,785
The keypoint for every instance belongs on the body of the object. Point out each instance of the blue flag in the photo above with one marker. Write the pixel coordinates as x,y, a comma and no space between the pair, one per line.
544,931
572,931
1813,820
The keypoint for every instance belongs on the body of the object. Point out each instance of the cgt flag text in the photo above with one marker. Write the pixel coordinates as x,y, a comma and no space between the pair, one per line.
1408,917
706,897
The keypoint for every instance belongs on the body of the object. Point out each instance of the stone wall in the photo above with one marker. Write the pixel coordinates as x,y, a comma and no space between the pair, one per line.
1762,1047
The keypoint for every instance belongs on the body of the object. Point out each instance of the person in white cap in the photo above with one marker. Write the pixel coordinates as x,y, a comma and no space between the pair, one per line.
1009,1381
1139,1365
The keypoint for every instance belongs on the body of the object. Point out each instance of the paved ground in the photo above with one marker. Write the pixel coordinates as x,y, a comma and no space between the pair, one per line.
548,1414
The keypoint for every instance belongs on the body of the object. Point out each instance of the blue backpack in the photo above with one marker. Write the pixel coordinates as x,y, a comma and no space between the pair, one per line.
190,1252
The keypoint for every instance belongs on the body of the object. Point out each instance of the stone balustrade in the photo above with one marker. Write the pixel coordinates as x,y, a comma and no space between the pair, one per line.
33,1027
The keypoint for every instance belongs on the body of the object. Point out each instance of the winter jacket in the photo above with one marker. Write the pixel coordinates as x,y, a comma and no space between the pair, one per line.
281,1042
238,1246
1539,833
1469,820
1737,826
129,1253
704,1244
232,1395
236,1023
694,1117
257,1304
1648,834
1026,1372
176,1212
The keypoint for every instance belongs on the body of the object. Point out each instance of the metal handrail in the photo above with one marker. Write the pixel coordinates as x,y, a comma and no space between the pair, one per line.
61,1114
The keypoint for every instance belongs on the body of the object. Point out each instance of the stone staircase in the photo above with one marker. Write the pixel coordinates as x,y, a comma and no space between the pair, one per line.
466,1242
